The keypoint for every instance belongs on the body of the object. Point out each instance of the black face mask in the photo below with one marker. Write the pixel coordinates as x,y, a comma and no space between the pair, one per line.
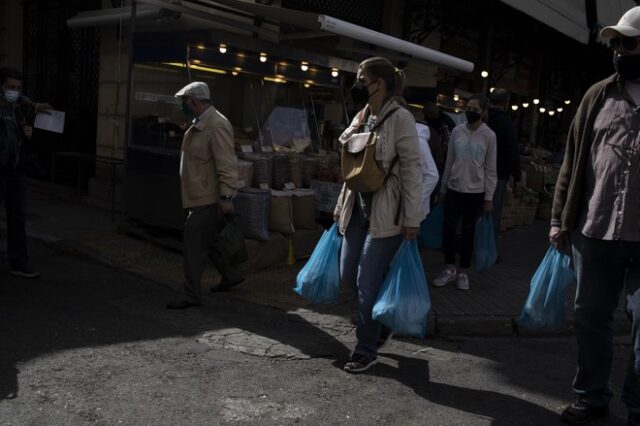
472,116
628,66
359,92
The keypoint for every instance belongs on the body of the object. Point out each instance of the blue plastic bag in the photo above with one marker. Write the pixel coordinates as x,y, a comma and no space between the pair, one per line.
432,227
403,302
545,306
484,246
319,279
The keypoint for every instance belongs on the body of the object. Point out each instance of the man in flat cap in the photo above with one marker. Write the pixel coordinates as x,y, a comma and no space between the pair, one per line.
208,173
597,204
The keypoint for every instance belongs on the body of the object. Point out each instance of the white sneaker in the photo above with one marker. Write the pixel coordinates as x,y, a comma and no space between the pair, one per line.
462,283
445,277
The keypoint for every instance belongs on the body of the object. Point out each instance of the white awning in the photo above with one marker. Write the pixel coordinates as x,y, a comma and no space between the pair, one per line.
314,22
567,16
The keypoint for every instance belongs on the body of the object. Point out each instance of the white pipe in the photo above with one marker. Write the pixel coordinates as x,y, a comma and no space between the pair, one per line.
113,16
357,32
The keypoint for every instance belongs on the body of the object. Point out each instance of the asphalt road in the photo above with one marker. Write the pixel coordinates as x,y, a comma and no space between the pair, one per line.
86,344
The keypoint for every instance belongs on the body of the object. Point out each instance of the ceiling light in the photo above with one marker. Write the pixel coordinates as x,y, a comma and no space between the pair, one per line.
456,98
263,57
514,107
559,109
223,48
234,73
334,72
567,102
304,66
484,74
200,46
536,101
492,89
552,113
542,110
525,105
307,85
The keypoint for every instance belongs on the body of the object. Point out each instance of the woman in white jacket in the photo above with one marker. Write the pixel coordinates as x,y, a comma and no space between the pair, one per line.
374,224
468,183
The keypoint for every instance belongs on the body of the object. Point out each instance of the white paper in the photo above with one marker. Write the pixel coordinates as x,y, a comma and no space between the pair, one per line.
52,121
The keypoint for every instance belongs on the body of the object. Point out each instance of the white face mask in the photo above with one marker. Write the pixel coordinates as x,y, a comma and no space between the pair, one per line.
11,95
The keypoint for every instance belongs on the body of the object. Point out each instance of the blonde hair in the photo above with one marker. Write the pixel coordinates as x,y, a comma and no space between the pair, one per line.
379,67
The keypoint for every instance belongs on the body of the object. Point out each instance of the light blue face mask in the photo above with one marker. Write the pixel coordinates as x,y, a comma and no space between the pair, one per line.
11,95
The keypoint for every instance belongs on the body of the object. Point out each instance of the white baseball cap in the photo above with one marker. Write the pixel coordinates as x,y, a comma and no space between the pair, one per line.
197,90
628,25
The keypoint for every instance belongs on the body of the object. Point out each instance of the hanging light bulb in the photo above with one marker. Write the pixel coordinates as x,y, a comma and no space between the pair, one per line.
307,85
304,66
456,97
334,72
514,107
536,101
223,48
263,57
492,89
484,74
542,110
525,105
552,113
567,102
559,109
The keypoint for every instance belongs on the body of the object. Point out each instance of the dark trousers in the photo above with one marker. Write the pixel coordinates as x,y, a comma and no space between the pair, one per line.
498,205
13,192
468,207
200,241
603,270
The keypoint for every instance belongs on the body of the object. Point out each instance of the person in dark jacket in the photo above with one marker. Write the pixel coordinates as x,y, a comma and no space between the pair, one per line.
14,132
508,157
595,207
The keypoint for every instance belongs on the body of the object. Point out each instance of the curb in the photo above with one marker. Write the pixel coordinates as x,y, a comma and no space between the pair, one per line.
438,325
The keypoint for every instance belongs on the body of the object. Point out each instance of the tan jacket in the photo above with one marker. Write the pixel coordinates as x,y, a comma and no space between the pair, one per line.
396,137
208,163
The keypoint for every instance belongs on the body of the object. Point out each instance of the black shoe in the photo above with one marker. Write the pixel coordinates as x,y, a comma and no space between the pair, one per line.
182,304
581,412
225,285
25,271
633,419
385,337
359,363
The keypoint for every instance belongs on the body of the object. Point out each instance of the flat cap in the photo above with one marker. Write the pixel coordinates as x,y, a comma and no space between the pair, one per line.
197,90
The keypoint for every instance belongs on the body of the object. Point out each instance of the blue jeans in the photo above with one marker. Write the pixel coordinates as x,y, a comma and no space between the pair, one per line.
364,262
603,270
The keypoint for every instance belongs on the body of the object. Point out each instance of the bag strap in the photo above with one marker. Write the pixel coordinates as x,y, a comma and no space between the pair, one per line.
361,117
379,123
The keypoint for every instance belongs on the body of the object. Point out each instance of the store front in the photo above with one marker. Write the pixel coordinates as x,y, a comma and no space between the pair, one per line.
280,108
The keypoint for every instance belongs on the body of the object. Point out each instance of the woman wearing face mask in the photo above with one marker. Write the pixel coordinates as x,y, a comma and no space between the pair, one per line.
468,183
374,224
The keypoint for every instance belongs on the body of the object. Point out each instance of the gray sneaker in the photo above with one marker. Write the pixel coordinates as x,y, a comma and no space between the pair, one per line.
462,283
25,271
445,277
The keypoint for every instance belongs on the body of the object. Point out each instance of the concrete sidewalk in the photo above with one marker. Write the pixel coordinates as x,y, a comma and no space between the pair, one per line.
490,307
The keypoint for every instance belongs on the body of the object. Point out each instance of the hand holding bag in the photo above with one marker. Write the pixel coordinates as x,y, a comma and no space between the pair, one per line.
403,302
319,279
231,242
545,306
484,250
